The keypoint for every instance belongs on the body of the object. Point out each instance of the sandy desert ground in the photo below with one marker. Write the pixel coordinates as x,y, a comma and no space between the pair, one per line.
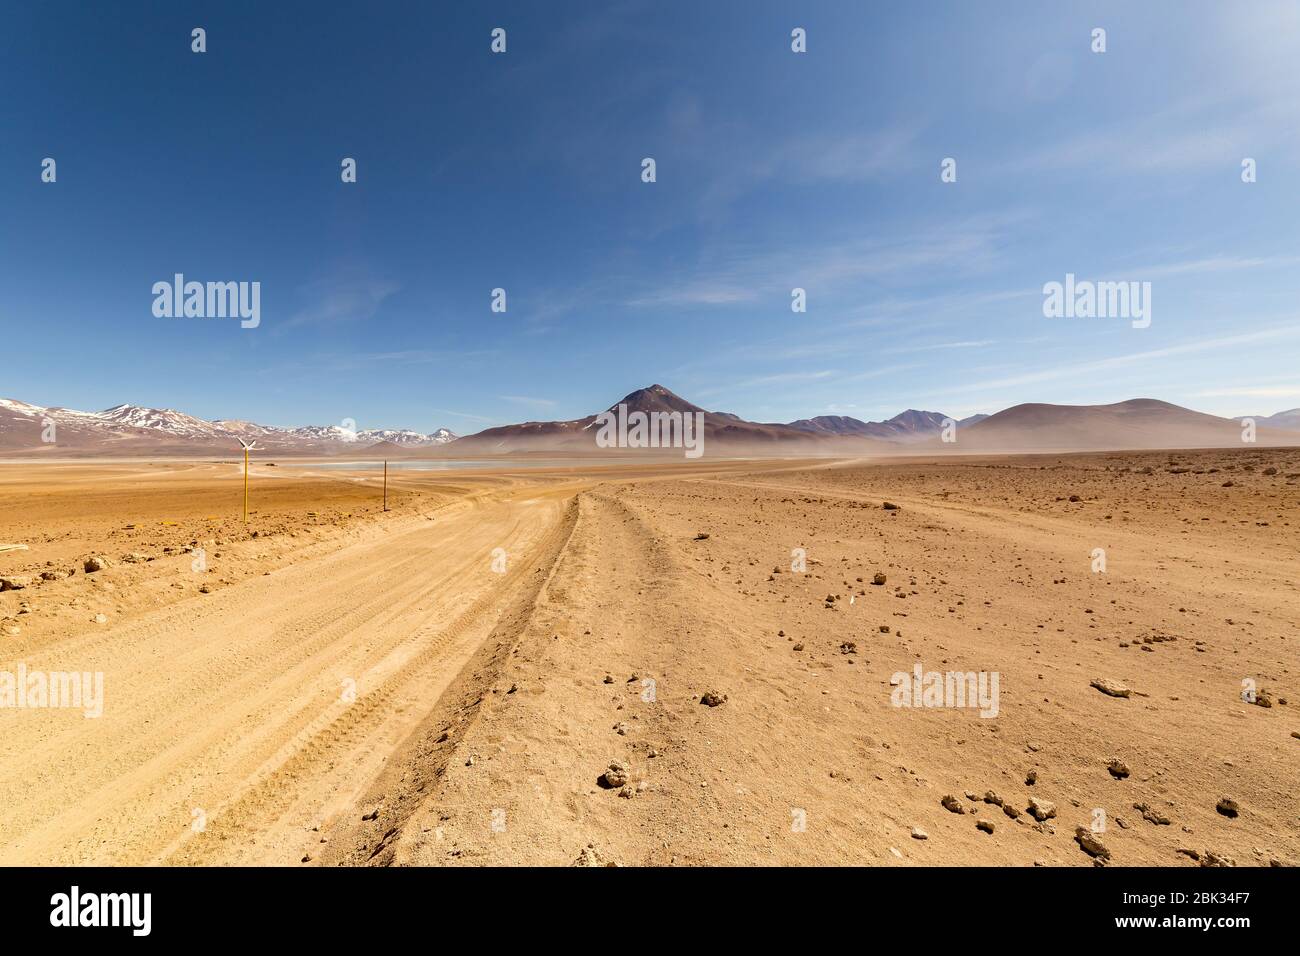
338,685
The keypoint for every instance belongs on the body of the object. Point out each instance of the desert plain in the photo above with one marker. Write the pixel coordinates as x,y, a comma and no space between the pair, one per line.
657,662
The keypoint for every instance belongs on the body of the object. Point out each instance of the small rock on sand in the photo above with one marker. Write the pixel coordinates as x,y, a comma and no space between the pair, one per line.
95,563
919,834
712,698
615,777
590,856
952,803
1151,814
1228,807
1041,810
1118,768
1091,844
1110,688
985,825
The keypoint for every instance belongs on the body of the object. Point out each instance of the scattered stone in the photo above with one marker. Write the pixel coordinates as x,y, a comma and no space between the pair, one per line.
889,506
919,834
1210,858
985,825
609,679
952,803
101,618
1091,843
879,578
615,777
1110,688
1010,810
701,537
1187,851
95,563
1031,778
1118,768
590,857
1151,814
1228,807
713,698
848,647
798,647
14,582
1041,810
991,797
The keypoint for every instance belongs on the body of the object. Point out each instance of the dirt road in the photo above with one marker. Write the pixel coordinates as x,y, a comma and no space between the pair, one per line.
235,722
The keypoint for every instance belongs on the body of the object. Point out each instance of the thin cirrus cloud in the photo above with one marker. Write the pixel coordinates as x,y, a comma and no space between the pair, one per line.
528,401
334,301
1253,391
1078,370
737,275
764,381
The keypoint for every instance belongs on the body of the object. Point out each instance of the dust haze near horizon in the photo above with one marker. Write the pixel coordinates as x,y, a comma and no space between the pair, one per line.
775,170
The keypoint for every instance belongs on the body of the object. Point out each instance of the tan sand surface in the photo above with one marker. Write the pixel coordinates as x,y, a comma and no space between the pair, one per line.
344,685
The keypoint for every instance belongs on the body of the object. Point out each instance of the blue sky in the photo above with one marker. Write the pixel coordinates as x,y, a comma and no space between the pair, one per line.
775,170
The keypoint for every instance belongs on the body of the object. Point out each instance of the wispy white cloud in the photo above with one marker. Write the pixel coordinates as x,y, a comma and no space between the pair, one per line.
1124,361
940,346
529,401
764,381
335,300
1215,264
741,274
1253,391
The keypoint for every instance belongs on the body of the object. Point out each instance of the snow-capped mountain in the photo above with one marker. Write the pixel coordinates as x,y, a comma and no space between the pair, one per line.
24,426
404,436
166,420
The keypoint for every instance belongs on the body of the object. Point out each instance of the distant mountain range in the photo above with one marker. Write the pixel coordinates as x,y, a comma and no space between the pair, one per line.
1137,423
134,430
910,425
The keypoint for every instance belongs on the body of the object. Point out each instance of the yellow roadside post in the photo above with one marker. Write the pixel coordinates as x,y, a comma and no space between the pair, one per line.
247,445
